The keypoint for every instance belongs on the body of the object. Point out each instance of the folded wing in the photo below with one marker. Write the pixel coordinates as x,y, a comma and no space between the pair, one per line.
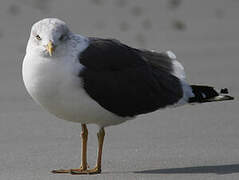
128,81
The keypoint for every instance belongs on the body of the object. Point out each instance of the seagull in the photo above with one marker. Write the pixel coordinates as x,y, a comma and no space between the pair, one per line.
101,81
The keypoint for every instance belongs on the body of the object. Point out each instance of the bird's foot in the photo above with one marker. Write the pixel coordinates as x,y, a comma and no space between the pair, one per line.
78,171
95,170
61,171
65,171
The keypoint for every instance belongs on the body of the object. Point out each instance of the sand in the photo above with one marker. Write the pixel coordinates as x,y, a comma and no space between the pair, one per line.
190,142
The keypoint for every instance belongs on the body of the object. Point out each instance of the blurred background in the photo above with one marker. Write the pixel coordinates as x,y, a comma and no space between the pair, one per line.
204,36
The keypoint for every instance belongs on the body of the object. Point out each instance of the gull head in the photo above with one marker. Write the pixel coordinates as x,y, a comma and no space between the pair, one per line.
49,37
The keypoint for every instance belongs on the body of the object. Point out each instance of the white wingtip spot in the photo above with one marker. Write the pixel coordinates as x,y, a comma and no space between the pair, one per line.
171,55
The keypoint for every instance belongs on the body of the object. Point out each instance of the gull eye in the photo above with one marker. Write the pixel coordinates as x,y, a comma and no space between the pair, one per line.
38,37
62,37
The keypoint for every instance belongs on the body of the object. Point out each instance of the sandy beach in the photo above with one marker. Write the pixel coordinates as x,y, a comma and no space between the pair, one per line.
186,143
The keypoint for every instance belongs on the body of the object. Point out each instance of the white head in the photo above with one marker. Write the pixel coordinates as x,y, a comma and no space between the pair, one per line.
49,37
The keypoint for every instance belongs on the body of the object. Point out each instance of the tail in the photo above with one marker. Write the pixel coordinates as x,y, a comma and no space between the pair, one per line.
204,94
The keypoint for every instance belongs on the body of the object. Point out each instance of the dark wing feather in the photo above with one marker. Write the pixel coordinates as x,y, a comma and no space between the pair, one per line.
160,60
123,82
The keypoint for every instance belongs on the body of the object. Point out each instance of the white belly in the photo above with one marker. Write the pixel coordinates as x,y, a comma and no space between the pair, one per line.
55,85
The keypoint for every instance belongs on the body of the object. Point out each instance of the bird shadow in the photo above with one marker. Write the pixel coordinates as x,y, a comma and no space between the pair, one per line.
217,169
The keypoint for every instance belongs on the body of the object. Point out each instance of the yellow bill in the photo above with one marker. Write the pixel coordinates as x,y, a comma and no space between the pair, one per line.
50,48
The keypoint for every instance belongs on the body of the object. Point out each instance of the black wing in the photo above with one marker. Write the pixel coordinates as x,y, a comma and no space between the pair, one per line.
120,79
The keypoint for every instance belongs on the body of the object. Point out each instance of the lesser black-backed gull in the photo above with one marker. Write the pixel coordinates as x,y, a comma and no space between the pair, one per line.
102,81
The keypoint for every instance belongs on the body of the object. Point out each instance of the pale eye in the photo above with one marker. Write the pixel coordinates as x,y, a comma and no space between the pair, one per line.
38,37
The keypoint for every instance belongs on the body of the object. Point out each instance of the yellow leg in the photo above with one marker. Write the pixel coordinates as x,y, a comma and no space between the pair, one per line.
101,135
83,167
84,136
97,169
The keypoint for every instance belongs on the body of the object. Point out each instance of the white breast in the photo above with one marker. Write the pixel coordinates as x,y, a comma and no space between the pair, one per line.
56,86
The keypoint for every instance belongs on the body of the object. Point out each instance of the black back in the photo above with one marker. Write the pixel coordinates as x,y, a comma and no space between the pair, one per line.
120,79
